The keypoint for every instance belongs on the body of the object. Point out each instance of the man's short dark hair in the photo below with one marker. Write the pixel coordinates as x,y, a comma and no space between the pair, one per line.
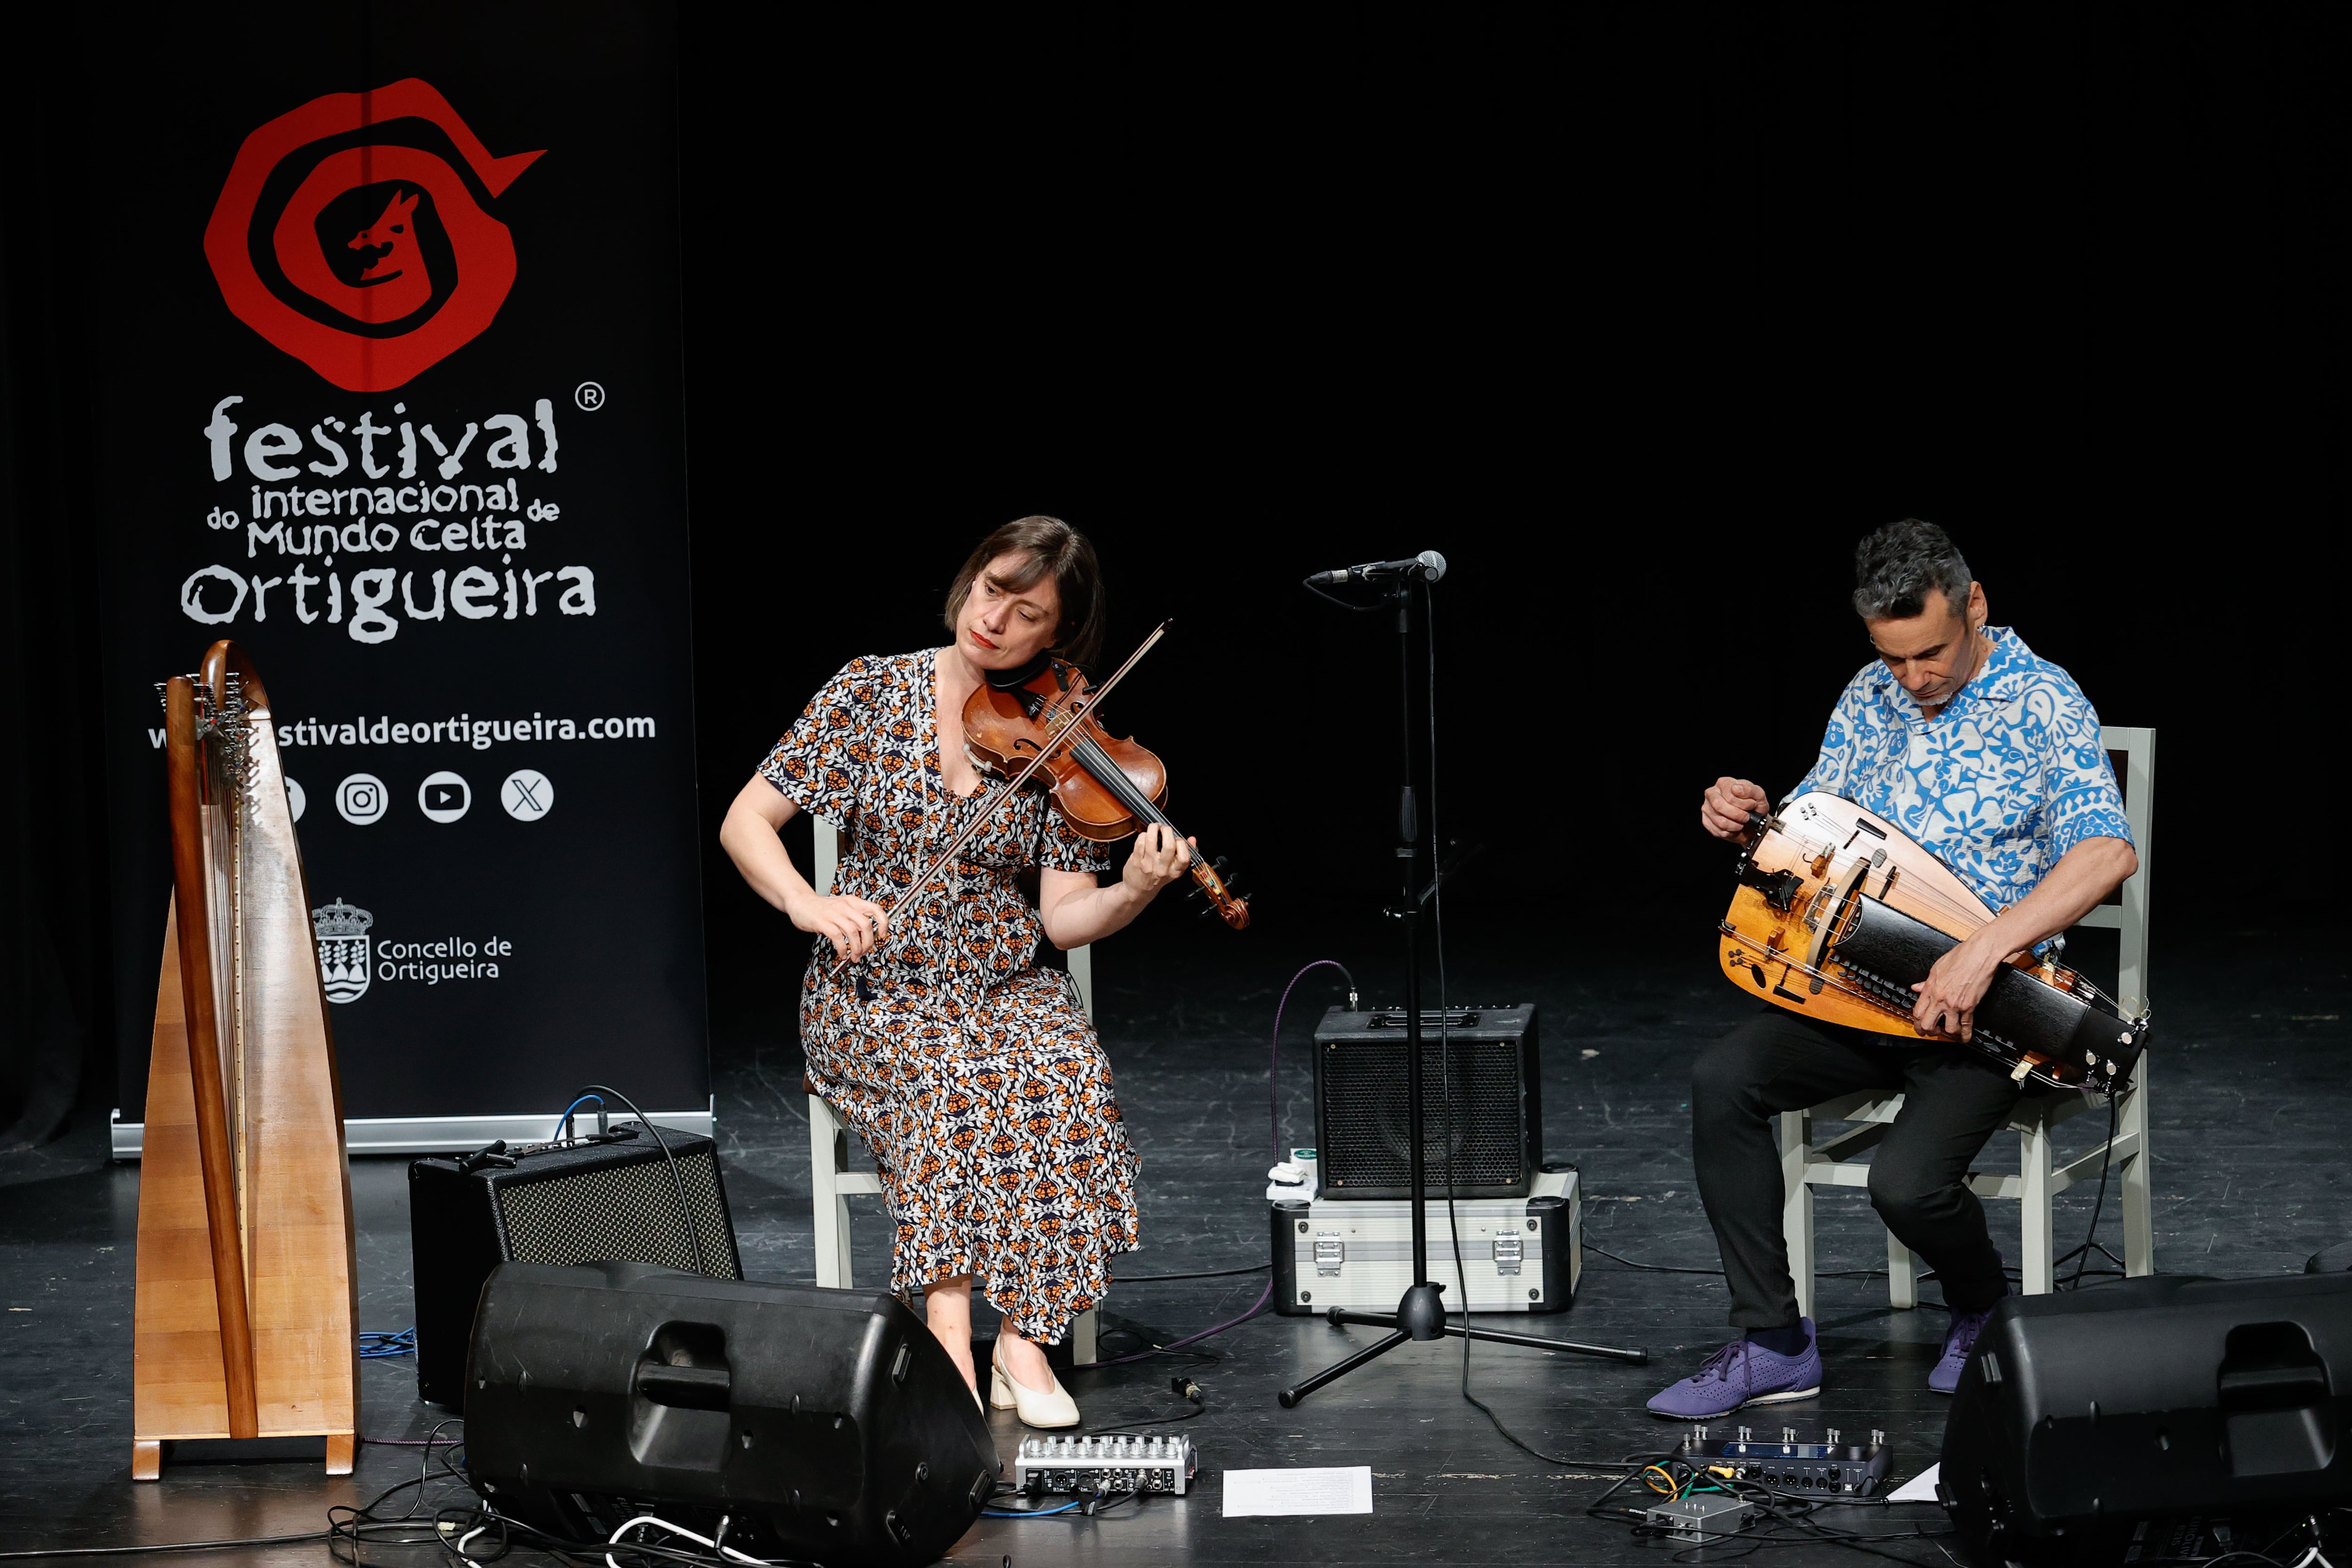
1895,567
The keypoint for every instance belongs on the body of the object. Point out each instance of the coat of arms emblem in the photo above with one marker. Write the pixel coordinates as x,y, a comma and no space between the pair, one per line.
343,968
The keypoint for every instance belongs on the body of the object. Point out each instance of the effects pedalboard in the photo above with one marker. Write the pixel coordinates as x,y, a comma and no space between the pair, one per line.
1105,1465
1833,1467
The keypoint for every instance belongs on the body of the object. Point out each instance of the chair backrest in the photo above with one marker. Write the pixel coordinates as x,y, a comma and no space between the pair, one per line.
2133,753
828,852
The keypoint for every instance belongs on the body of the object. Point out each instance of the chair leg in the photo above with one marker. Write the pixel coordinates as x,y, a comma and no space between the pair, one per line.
2035,1262
1902,1273
1082,1338
1797,1203
831,1211
2138,1199
1082,971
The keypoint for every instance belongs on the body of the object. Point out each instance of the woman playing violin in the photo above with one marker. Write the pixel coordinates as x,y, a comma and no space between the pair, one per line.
972,1074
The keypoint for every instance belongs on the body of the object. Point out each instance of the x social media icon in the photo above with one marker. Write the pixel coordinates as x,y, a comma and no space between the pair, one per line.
443,797
527,795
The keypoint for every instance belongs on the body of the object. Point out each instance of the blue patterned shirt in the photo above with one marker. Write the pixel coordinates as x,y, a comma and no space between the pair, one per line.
1999,785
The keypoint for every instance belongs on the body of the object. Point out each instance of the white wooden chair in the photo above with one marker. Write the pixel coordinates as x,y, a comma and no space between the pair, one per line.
1805,1165
831,1181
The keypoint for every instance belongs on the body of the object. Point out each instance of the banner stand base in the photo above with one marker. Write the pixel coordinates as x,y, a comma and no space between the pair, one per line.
435,1134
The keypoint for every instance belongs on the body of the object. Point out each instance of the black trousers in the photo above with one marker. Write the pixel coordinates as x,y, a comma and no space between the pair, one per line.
1953,1100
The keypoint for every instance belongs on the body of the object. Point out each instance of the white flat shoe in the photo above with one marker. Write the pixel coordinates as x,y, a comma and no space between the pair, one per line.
1052,1409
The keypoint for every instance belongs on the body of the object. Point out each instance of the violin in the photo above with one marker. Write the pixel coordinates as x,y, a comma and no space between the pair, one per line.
1104,787
1041,719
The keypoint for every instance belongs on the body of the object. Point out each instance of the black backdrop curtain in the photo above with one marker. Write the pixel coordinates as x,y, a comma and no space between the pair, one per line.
1640,313
52,921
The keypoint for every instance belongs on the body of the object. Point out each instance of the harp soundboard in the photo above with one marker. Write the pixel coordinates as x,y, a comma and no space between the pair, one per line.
246,1317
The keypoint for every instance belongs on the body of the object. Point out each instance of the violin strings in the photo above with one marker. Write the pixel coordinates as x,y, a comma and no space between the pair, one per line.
906,900
1106,771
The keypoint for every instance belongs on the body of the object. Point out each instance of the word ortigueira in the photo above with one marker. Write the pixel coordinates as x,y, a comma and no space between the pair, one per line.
378,518
452,959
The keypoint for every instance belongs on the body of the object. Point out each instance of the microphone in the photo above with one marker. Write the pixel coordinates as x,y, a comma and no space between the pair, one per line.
1428,564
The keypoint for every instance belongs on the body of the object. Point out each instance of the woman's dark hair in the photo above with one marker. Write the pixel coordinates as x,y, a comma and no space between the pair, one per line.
1049,548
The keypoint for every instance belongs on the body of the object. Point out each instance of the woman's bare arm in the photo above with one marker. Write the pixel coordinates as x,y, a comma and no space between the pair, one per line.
749,835
1075,911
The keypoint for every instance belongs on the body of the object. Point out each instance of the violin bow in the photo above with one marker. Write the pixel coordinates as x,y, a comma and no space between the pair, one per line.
940,862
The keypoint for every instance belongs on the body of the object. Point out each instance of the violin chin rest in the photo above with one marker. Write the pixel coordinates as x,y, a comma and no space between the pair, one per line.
1015,679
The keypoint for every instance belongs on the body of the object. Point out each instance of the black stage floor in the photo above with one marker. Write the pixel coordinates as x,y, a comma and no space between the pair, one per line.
2252,1090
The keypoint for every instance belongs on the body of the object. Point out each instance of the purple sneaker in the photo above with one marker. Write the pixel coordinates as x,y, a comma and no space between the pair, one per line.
1743,1372
1960,1344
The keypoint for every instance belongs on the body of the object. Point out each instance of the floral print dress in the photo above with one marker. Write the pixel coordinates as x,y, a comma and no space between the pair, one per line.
974,1075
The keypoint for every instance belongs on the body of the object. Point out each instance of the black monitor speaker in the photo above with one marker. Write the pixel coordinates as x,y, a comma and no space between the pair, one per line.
1482,1103
821,1425
2150,1414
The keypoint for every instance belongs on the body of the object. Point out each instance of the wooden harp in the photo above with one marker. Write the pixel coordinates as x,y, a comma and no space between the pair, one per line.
246,1312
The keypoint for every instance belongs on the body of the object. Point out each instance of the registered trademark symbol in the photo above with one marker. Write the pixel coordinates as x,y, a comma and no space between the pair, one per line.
589,395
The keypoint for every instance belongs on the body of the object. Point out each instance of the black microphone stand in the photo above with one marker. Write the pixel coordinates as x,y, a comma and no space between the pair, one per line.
1420,1313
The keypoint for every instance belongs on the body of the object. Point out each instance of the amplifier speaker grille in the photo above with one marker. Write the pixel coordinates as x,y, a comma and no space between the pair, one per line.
1364,1104
1487,1096
625,1212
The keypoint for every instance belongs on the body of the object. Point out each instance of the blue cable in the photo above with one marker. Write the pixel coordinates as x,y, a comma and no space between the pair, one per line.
564,1121
1028,1513
376,1344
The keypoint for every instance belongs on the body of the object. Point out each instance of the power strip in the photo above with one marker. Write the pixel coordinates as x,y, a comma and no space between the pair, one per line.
1833,1467
1100,1466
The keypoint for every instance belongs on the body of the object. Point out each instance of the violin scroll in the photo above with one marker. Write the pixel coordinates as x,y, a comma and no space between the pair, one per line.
1217,894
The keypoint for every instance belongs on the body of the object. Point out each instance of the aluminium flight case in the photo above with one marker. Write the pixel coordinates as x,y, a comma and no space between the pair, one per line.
1519,1254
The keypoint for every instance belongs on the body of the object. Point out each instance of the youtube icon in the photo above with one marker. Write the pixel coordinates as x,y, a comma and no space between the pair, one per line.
443,797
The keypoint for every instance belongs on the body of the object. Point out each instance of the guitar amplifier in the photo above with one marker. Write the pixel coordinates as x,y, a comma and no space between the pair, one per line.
610,1197
1484,1111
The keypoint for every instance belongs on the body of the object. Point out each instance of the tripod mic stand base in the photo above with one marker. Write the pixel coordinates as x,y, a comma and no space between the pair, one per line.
1400,1334
1420,1314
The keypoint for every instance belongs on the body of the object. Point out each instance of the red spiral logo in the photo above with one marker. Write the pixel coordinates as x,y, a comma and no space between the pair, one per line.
352,233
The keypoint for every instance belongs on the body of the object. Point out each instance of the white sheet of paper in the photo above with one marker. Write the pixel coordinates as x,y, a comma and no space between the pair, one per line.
1920,1488
1344,1490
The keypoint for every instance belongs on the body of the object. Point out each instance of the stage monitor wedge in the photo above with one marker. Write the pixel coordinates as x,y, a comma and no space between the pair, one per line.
824,1424
2091,1422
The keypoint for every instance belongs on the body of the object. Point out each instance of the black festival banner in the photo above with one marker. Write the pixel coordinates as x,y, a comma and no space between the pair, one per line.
394,373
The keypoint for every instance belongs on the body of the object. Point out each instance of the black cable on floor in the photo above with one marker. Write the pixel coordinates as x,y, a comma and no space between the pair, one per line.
1717,1273
1274,1138
1195,1401
2106,1158
1204,1274
54,1551
1650,1268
